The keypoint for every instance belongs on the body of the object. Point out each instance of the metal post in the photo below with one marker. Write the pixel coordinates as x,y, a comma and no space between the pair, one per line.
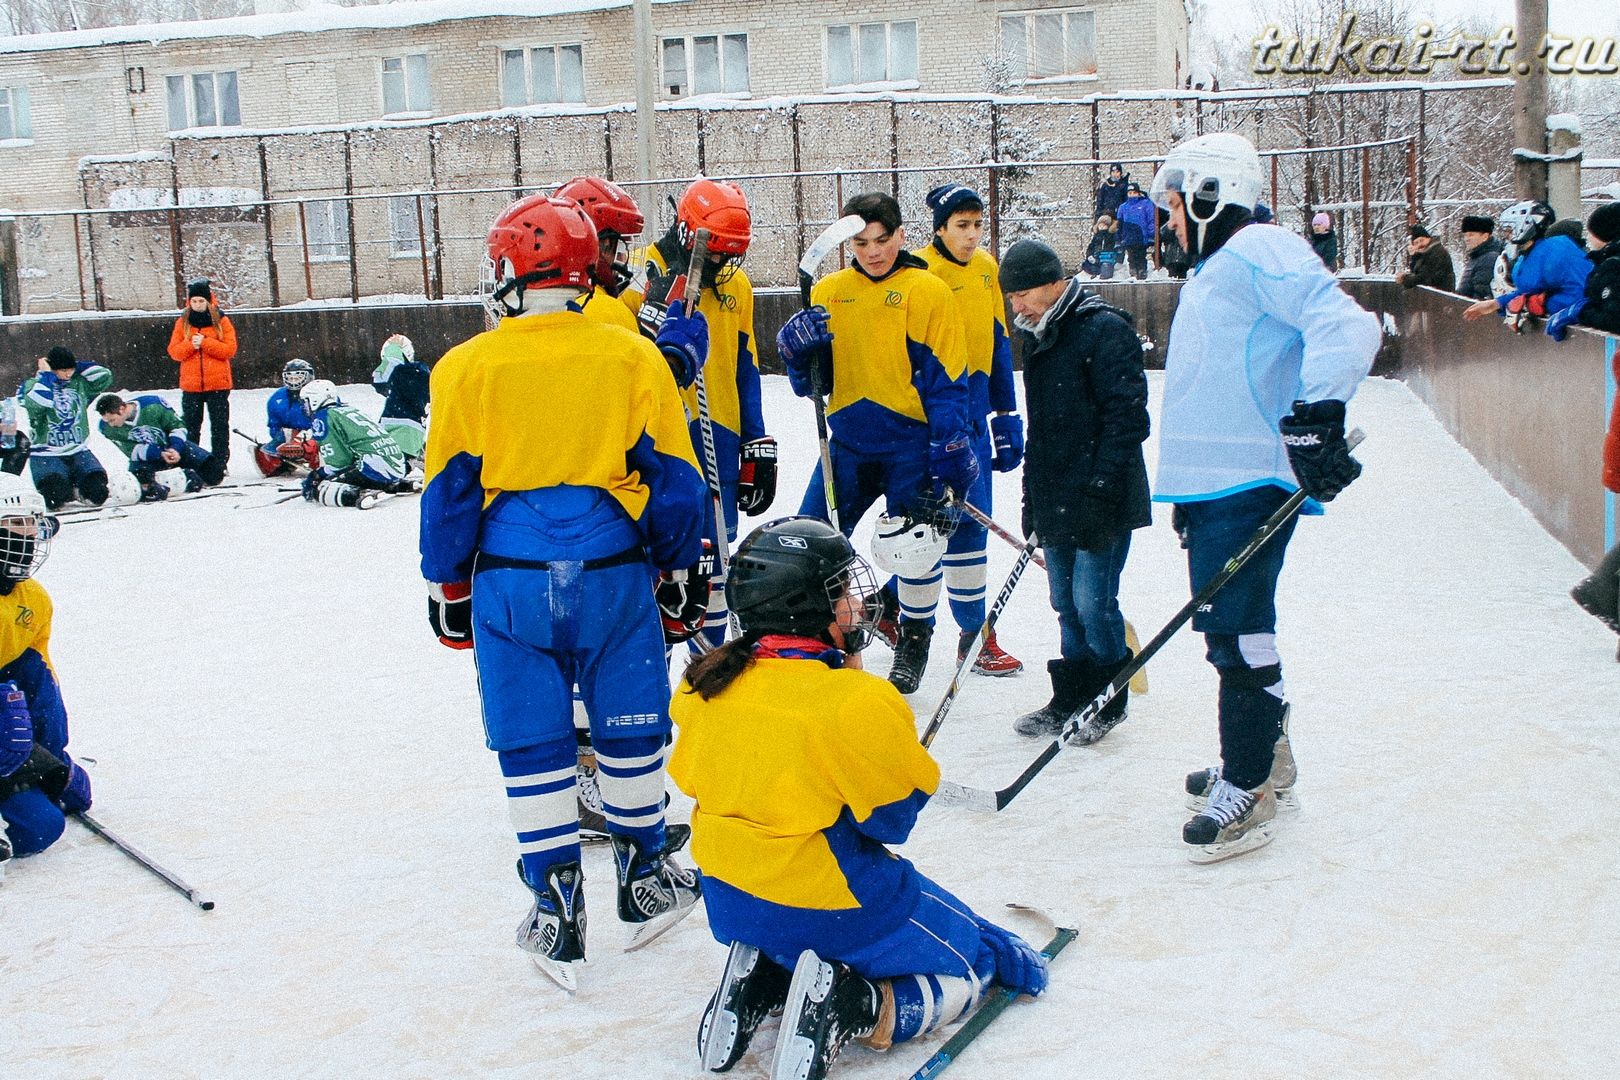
1096,148
798,177
1366,207
1530,99
175,258
348,213
269,229
433,209
1414,208
303,239
894,149
90,234
702,157
607,145
517,165
645,110
422,249
992,192
78,258
1276,206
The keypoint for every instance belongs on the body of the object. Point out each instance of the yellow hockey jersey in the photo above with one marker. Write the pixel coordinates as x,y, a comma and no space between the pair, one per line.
984,329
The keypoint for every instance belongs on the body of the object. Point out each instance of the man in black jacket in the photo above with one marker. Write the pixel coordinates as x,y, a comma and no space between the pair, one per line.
1085,484
1480,249
1602,309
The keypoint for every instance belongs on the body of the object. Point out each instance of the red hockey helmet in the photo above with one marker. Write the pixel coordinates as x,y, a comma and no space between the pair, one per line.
609,206
720,207
541,242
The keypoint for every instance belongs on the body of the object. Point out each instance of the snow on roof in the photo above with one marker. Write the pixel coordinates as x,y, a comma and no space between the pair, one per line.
1564,121
317,16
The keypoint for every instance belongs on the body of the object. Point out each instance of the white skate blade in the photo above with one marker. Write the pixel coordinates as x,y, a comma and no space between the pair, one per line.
645,933
565,973
718,1035
812,980
1257,837
1287,802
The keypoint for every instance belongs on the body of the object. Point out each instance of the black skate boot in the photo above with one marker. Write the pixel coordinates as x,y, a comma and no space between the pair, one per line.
554,931
1599,595
655,892
911,655
752,986
1284,774
153,492
194,481
1074,682
592,824
1232,822
1112,714
827,1005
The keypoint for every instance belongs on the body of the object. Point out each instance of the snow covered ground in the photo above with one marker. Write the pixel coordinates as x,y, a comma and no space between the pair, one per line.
269,715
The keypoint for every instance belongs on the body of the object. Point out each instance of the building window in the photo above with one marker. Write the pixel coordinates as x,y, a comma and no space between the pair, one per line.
871,53
546,73
1050,44
405,84
15,122
328,221
207,99
404,236
706,64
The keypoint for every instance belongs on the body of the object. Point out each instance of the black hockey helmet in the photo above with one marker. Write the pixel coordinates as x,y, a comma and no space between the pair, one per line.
296,374
787,578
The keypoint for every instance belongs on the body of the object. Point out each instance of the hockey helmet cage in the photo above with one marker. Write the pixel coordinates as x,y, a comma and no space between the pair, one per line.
1528,220
26,529
789,576
908,546
539,242
296,374
319,394
721,207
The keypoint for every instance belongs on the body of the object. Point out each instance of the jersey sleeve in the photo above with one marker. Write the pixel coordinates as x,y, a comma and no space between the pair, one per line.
453,491
662,454
938,358
1340,337
750,411
882,773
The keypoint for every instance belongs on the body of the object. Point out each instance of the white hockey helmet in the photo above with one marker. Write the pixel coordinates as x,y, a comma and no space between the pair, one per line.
907,546
1216,170
399,349
318,394
26,529
1527,220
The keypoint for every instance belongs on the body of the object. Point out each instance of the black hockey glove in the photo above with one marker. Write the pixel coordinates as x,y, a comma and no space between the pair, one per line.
450,613
655,302
1314,437
756,478
683,597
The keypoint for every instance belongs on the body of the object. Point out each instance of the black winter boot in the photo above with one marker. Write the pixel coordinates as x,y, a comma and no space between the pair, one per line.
1599,595
1074,682
1112,714
911,655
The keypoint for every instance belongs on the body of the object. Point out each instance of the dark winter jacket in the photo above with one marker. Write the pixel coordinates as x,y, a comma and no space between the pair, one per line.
1101,242
1109,196
1602,311
1480,268
1432,267
1326,246
1138,222
1086,398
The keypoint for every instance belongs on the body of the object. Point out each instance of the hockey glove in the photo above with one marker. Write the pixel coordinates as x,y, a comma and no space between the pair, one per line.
683,597
1018,965
312,452
805,339
450,613
684,341
16,728
756,478
1314,437
952,464
661,288
75,797
292,451
312,484
1007,433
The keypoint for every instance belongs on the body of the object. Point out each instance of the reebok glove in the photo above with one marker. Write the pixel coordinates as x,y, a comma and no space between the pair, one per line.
1314,437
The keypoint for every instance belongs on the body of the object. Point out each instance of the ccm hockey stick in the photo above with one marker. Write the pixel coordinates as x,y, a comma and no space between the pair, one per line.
168,877
711,461
972,655
950,794
833,235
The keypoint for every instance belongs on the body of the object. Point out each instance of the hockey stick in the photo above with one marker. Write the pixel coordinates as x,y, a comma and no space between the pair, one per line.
843,229
971,657
195,896
1139,684
711,461
950,794
992,1008
245,435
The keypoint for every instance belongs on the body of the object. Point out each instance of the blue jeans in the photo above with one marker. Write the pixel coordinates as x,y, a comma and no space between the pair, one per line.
1085,595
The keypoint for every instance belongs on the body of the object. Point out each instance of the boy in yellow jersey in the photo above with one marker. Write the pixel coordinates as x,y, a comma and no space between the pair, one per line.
956,257
560,477
888,339
745,457
39,782
805,769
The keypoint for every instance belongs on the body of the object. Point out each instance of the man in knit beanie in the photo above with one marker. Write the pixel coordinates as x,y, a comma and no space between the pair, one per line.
1602,310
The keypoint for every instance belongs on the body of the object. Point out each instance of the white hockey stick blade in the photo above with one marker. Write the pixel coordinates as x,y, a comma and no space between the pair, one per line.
564,973
646,933
949,794
833,235
1036,915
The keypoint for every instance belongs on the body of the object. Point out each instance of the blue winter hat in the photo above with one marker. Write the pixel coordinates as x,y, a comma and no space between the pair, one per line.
947,199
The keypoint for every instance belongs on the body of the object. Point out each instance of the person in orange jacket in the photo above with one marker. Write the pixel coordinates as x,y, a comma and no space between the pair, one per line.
203,344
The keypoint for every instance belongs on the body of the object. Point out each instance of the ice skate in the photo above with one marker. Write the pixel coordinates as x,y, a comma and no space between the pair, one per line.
1599,594
911,655
752,986
1234,821
992,659
592,823
655,892
828,1004
554,930
1284,772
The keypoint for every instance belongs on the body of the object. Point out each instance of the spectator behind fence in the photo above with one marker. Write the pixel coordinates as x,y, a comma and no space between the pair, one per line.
1428,263
1324,241
1602,309
1102,254
203,344
1600,593
1549,274
1112,191
1480,249
1138,226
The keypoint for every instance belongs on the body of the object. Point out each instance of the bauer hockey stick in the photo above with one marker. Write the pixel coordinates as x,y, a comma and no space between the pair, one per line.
711,461
950,794
833,235
983,634
168,877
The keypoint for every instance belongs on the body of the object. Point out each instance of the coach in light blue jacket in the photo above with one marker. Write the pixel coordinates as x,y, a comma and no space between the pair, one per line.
1265,350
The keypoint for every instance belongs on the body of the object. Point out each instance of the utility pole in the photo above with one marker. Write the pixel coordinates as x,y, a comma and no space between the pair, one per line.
645,61
1530,101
